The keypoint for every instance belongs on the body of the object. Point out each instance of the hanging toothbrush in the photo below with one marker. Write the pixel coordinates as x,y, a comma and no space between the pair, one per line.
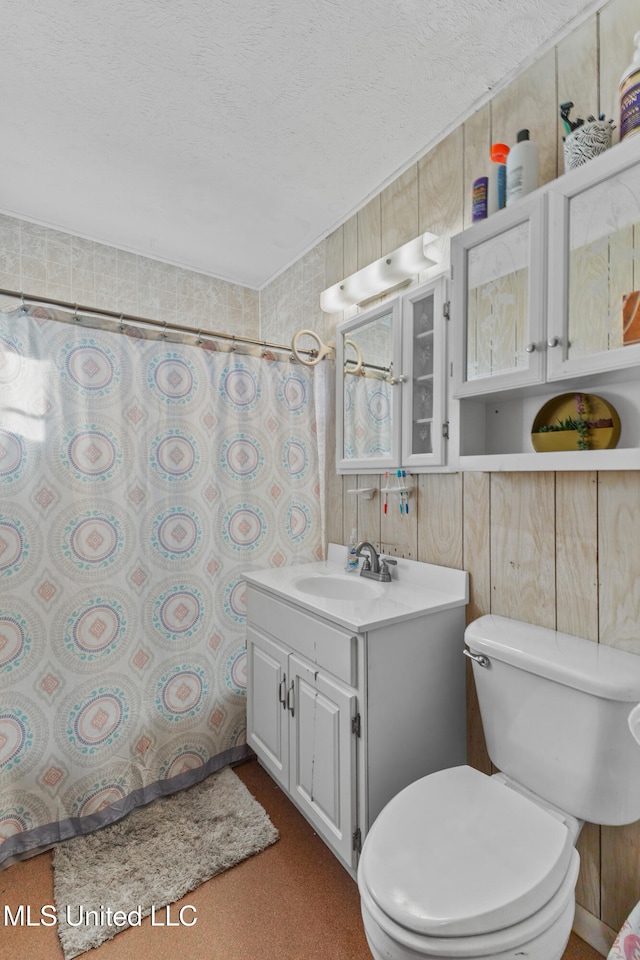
405,495
386,490
400,490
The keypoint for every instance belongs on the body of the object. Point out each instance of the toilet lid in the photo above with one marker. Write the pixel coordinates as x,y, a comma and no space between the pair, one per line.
459,854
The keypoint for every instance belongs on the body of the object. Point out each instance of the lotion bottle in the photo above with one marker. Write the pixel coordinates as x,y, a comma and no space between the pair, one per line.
522,168
630,94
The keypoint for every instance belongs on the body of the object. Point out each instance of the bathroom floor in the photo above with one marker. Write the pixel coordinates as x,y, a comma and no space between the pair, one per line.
294,900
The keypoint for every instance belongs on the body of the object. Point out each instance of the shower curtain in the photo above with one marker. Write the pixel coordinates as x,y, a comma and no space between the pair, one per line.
367,413
140,476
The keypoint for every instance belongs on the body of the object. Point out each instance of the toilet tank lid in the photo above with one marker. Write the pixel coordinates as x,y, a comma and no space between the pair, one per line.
594,668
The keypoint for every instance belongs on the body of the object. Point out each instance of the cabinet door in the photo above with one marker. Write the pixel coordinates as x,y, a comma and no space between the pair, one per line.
594,266
423,375
267,714
323,755
498,273
368,391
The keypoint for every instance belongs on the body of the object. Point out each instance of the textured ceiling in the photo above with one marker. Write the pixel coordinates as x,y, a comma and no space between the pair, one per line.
229,136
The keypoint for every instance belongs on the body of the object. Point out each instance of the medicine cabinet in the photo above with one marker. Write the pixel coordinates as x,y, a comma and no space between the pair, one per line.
390,387
545,301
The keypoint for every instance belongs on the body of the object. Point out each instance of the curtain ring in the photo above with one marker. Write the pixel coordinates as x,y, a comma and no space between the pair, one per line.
199,338
121,323
264,348
76,318
233,345
24,306
164,330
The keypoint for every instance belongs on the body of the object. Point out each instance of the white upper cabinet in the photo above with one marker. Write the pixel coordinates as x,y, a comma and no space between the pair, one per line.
390,384
594,266
546,302
498,271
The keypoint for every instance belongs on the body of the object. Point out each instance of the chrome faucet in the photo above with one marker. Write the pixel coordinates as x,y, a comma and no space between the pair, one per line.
374,566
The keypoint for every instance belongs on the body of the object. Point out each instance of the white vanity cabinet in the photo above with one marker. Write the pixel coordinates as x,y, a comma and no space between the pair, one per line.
343,709
545,302
301,717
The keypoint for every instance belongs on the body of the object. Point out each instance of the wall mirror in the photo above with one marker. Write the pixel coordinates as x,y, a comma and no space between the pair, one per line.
367,398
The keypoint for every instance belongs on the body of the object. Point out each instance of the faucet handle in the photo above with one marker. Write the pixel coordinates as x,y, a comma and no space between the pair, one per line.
385,573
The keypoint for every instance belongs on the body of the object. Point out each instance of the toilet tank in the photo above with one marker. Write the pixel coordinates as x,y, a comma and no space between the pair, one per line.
554,711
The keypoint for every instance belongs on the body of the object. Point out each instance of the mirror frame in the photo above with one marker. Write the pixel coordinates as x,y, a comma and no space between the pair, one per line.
343,329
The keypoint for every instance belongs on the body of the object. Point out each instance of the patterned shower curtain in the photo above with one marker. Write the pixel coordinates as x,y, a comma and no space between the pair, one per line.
140,477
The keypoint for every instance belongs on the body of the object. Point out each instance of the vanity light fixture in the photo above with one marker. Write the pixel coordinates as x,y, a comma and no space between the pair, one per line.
381,275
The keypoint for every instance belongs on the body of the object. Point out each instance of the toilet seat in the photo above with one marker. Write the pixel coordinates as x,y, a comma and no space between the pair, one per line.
542,935
495,859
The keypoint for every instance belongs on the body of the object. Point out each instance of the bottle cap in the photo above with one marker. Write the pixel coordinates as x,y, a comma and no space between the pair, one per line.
523,135
499,152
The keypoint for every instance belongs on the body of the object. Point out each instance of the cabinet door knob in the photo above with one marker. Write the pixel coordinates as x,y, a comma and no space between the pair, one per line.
291,699
282,692
553,341
530,348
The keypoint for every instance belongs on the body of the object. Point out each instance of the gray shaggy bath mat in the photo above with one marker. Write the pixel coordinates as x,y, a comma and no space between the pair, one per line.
153,857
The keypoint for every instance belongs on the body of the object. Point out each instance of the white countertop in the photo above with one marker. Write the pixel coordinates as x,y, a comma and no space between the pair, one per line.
415,589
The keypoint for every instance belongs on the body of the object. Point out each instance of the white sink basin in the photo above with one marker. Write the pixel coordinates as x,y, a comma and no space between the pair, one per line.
349,587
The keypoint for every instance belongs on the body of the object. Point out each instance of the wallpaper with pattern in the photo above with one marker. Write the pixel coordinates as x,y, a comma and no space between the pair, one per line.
139,478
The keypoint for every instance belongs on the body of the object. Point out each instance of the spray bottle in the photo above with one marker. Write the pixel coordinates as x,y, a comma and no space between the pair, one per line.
352,561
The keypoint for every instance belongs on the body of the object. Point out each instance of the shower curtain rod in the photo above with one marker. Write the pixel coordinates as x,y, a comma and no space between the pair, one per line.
180,328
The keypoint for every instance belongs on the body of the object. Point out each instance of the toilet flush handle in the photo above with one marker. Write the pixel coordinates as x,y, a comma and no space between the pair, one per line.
478,658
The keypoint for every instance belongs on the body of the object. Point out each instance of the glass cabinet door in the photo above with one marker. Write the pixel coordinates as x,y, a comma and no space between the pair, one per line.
423,364
498,272
594,267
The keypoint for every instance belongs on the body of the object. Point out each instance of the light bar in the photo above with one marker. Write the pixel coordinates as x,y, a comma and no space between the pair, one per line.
397,267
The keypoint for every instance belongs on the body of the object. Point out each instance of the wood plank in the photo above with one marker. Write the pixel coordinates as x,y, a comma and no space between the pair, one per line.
369,237
440,191
477,154
577,555
399,532
440,519
577,64
399,211
619,558
334,257
350,249
368,510
523,547
588,885
476,541
349,506
620,872
529,101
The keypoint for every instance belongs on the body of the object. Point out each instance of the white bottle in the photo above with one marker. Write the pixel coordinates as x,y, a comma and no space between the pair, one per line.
352,561
522,168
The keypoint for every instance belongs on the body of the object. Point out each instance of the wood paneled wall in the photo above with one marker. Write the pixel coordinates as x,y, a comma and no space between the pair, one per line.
560,550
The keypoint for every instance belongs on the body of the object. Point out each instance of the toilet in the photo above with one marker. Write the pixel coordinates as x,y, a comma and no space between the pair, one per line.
462,864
